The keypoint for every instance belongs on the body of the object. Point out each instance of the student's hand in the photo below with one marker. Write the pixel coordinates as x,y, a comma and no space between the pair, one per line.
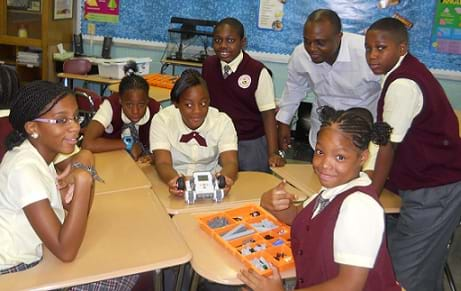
136,151
173,187
146,159
277,199
65,186
284,136
261,283
229,183
276,161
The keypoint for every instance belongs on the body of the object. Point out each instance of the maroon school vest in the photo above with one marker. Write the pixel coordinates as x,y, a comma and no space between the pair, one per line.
117,122
235,95
312,245
430,153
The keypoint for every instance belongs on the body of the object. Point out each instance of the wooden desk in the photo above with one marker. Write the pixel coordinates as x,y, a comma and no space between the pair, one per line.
210,259
167,62
120,172
104,82
248,188
127,233
159,94
302,176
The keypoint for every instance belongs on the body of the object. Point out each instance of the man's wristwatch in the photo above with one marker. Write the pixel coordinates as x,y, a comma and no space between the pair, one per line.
129,141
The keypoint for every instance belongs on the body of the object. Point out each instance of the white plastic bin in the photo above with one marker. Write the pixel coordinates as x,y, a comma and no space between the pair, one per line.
114,68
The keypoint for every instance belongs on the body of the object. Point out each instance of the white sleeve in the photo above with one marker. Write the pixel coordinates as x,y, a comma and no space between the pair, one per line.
403,101
228,138
158,135
104,114
264,94
359,231
296,89
28,184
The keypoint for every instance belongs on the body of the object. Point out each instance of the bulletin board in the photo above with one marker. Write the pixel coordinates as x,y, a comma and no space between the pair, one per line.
149,20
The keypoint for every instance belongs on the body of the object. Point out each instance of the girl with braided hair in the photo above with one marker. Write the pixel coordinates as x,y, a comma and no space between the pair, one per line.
123,120
337,237
33,196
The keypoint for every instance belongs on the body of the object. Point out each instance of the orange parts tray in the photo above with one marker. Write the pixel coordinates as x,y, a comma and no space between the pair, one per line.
253,235
161,80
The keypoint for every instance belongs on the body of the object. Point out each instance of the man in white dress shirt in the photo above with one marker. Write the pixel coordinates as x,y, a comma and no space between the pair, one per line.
332,65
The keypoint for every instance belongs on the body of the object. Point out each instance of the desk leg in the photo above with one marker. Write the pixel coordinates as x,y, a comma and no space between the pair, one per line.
158,280
195,281
163,68
180,277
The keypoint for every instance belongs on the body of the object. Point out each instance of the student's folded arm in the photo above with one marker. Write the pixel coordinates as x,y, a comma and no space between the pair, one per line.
229,163
270,129
63,240
93,140
163,163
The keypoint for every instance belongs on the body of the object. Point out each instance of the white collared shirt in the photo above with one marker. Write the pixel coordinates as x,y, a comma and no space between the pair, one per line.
264,94
349,82
403,101
25,178
359,228
166,130
104,116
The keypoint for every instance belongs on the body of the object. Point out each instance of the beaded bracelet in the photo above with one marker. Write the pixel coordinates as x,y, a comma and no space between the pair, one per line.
90,169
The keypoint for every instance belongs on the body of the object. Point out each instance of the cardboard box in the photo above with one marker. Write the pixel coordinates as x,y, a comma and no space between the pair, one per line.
114,68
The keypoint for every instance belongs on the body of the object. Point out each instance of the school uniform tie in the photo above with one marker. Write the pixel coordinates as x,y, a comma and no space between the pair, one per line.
135,134
193,135
133,131
321,203
227,71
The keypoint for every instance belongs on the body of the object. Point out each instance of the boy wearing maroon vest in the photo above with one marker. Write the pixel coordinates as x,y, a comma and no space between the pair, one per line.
242,87
423,161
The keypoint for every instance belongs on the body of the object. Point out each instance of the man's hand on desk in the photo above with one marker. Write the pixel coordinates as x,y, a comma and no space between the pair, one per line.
284,136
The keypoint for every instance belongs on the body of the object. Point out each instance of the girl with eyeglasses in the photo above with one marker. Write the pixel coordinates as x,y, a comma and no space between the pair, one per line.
40,204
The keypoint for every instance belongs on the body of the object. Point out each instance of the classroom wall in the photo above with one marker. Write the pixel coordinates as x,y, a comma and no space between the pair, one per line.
279,70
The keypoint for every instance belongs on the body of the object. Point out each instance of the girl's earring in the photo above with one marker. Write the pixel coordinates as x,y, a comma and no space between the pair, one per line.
34,135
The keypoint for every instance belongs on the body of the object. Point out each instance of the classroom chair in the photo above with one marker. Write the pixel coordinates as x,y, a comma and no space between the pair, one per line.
5,129
77,66
9,85
88,103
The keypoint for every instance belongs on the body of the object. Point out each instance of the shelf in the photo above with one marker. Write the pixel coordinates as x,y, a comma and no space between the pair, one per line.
20,41
14,10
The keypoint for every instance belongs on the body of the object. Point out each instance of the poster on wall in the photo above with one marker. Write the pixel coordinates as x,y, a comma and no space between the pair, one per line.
446,31
271,14
102,10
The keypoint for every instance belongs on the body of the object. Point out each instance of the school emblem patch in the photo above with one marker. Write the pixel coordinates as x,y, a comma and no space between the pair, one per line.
244,81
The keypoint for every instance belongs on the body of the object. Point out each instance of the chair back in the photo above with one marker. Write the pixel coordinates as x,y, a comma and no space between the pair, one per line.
88,103
9,85
5,129
77,66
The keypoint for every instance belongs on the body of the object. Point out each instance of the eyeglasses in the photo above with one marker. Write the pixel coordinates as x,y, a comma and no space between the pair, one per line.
64,120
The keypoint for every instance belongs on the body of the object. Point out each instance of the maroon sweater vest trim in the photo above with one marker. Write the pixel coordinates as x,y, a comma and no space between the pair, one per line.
312,246
117,122
237,102
430,153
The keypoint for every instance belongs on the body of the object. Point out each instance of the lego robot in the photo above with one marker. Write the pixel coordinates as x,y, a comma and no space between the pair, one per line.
202,185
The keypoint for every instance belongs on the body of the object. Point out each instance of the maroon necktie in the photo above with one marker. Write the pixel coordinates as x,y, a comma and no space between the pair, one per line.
200,139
